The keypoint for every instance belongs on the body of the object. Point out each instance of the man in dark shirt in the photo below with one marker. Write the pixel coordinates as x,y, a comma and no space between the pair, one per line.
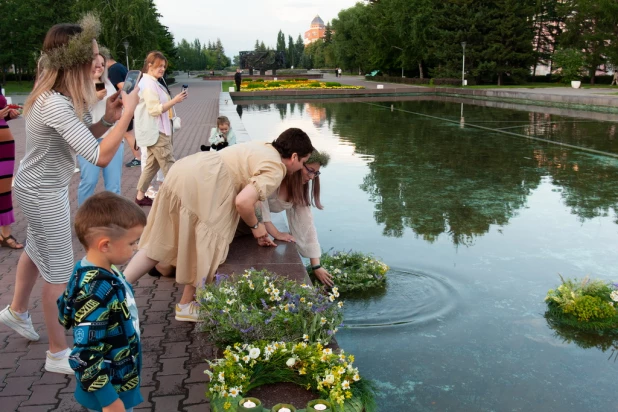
238,79
116,73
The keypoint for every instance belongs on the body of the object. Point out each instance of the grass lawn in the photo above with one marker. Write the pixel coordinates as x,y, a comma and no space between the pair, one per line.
226,84
17,87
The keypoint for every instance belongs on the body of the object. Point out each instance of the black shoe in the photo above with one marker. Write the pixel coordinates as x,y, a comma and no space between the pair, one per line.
134,163
204,148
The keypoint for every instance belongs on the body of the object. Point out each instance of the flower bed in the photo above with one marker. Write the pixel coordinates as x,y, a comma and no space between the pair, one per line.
296,84
354,271
312,366
260,305
586,305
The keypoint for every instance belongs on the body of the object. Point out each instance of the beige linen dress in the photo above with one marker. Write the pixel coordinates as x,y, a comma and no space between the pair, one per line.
194,217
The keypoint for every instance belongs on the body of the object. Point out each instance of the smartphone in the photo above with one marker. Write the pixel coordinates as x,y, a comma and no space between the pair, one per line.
184,88
99,86
131,80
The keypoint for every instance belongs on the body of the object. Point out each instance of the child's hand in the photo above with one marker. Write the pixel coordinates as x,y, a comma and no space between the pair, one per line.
116,406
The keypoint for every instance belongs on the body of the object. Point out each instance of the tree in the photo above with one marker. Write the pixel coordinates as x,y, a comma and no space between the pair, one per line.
280,41
571,62
291,52
328,34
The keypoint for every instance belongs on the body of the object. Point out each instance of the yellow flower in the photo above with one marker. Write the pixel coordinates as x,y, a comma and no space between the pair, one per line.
227,405
348,394
302,300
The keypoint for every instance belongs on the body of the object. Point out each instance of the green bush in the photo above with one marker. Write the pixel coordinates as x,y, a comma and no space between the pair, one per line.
333,84
258,80
314,84
273,84
254,85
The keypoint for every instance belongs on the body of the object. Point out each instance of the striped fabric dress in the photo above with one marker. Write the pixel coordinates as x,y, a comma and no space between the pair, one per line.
7,164
54,134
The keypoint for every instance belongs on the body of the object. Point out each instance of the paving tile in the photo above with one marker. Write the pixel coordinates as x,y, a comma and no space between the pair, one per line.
197,394
147,376
37,408
29,367
17,386
146,391
49,378
197,374
12,403
170,385
43,395
174,350
167,403
68,404
198,408
173,366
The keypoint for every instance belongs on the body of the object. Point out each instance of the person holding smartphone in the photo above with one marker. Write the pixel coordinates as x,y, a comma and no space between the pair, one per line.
153,123
59,125
117,72
89,173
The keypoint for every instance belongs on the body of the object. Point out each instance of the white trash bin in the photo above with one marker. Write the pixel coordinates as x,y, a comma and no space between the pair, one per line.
380,86
232,89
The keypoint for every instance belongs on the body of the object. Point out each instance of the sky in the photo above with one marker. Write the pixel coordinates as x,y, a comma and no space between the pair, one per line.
239,23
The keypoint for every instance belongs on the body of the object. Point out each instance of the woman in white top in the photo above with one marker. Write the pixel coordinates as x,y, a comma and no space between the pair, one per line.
58,126
296,197
153,123
89,173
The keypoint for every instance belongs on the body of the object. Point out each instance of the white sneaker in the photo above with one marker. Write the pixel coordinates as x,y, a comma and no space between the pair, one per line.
23,327
189,313
58,364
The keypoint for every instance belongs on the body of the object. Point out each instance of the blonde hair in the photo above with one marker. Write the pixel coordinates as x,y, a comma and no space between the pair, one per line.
73,78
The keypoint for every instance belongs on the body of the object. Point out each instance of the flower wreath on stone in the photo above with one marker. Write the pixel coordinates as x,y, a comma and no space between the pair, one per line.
312,366
263,306
353,271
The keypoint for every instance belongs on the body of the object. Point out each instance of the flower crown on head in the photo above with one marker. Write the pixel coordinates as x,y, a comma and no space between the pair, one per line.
79,48
319,157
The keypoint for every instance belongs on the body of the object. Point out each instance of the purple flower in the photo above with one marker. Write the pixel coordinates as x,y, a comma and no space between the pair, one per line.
219,278
329,332
264,305
267,321
249,329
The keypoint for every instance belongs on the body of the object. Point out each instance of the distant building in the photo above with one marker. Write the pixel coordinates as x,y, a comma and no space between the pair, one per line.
316,31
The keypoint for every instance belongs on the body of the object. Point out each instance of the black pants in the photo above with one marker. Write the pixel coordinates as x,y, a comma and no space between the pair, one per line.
237,86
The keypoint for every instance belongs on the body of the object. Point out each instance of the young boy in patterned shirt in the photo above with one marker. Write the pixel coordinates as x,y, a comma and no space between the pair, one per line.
100,307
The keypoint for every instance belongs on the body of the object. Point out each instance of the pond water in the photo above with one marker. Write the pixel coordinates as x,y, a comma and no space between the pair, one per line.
476,225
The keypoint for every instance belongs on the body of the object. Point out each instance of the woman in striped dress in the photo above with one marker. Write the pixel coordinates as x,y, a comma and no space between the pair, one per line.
7,164
58,126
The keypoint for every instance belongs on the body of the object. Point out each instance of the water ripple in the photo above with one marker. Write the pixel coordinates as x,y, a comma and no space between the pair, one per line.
410,297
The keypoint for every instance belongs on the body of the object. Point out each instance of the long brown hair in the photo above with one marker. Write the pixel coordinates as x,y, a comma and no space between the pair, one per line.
76,80
300,194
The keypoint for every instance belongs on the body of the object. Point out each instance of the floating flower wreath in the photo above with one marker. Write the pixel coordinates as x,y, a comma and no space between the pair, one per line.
261,306
590,305
312,366
354,271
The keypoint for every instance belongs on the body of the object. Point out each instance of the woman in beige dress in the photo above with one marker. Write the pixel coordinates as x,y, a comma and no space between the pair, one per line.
196,212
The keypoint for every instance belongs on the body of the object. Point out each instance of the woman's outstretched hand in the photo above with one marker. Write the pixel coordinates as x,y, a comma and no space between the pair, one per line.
285,237
323,276
265,241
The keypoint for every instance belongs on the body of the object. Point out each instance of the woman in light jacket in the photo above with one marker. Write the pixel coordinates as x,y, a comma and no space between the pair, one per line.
153,123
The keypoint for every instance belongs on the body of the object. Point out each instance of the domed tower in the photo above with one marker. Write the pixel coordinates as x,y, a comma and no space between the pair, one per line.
316,31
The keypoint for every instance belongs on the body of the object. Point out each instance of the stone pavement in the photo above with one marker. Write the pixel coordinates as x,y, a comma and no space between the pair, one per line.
173,378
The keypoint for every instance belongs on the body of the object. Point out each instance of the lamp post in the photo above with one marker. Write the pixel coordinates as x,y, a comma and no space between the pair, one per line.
463,63
126,51
399,48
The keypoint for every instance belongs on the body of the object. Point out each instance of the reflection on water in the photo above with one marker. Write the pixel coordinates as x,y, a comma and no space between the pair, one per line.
479,224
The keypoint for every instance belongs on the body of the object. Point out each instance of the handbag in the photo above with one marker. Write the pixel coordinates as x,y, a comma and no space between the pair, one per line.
176,122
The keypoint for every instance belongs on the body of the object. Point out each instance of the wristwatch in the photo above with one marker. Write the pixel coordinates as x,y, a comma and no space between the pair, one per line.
106,123
256,225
